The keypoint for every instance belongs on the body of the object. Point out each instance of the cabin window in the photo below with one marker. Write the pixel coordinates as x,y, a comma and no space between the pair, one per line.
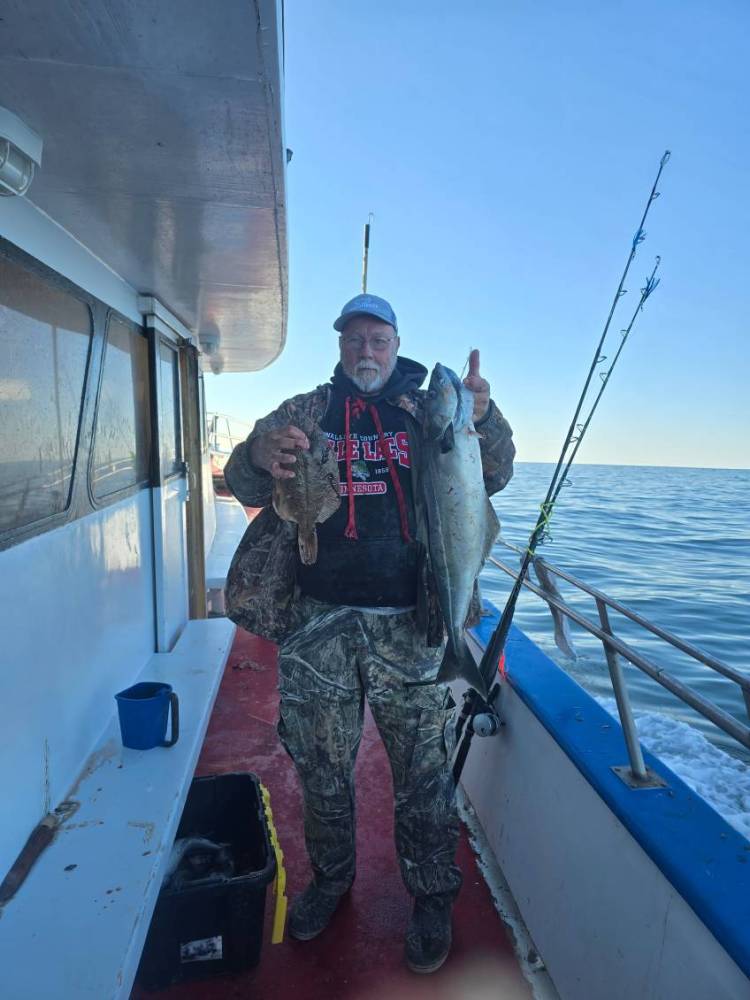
122,438
170,438
45,336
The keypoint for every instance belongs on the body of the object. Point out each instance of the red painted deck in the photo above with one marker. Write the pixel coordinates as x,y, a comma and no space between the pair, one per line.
360,955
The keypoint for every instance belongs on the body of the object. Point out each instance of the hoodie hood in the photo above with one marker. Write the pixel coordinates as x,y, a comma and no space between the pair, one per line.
405,377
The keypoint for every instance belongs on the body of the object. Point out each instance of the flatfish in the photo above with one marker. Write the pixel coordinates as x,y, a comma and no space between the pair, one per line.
312,496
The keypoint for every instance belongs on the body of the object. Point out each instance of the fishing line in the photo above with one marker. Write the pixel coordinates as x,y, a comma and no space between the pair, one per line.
474,703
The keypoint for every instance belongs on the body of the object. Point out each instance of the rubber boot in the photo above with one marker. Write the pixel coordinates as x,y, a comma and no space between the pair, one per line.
311,912
428,938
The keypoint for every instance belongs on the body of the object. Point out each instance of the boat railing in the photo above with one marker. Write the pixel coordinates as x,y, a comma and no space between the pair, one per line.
225,432
615,648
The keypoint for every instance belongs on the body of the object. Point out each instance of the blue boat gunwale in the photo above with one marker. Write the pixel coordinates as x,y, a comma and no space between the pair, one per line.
699,852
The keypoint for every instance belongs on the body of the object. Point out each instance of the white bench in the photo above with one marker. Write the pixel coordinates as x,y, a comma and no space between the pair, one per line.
231,522
77,925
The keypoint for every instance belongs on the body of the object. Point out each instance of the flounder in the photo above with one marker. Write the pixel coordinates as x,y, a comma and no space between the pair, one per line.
312,496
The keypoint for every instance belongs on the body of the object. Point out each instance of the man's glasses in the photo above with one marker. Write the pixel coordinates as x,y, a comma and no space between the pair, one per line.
357,343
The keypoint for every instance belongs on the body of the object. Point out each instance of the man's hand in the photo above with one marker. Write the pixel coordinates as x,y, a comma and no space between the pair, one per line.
274,450
479,386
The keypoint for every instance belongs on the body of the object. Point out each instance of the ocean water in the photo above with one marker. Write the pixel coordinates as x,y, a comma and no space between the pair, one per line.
672,544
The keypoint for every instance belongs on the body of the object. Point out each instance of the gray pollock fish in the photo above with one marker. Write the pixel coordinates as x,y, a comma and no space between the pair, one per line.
312,496
461,521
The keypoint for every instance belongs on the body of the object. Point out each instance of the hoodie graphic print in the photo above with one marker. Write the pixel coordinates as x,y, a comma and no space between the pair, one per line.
366,553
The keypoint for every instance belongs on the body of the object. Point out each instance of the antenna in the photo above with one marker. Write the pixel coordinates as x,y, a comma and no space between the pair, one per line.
366,251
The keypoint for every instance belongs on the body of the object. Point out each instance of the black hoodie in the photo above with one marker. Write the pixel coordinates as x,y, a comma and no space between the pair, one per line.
378,567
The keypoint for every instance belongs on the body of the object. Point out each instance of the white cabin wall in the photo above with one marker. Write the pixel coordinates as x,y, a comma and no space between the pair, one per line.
170,562
77,602
77,626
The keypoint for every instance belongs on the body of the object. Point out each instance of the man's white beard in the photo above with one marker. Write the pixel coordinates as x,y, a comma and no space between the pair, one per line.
368,377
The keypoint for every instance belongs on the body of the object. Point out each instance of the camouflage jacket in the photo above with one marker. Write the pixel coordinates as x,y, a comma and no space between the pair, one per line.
261,589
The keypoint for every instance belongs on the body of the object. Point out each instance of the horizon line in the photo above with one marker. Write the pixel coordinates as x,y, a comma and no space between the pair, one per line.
640,465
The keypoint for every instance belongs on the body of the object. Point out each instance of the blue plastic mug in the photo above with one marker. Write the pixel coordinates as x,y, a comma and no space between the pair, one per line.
143,710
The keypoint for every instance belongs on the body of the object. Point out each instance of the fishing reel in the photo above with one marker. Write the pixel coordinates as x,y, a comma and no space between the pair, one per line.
481,723
471,723
486,724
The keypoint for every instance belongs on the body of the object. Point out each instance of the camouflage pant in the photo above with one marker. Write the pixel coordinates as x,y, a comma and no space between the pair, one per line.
326,668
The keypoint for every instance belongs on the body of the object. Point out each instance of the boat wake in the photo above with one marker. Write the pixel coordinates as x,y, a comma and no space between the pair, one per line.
721,780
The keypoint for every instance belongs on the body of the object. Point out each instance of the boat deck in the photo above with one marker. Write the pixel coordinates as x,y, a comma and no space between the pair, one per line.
360,955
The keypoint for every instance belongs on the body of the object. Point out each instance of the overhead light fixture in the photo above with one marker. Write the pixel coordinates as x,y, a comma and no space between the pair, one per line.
209,340
20,153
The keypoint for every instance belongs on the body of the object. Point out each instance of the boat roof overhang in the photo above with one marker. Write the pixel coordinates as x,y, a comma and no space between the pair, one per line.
164,151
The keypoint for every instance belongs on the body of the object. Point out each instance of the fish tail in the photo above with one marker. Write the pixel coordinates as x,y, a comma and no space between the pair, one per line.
308,545
459,663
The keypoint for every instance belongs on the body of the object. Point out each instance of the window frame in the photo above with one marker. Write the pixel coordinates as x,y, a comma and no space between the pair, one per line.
99,503
72,511
180,469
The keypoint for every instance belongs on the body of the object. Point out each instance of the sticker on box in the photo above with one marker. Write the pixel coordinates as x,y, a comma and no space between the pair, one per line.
203,950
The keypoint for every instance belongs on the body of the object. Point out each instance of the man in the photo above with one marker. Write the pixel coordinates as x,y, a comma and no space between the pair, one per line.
363,619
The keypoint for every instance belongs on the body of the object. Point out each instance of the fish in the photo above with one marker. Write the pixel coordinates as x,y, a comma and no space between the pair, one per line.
563,639
312,496
462,524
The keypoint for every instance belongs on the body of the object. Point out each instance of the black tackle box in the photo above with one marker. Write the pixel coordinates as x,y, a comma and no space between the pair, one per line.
213,925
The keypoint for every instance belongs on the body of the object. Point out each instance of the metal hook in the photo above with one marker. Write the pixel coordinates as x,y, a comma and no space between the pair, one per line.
639,237
623,291
602,357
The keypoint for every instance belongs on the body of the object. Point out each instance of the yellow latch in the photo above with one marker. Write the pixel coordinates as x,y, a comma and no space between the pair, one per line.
279,883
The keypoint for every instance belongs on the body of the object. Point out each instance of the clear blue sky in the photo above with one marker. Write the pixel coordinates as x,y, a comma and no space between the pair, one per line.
507,150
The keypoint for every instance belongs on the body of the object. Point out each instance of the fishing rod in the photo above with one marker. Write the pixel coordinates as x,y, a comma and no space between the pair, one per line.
366,251
477,714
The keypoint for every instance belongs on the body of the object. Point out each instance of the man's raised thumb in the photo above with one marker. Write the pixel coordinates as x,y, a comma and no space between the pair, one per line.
474,362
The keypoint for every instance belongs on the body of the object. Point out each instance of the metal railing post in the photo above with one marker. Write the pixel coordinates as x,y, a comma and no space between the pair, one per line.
637,765
615,648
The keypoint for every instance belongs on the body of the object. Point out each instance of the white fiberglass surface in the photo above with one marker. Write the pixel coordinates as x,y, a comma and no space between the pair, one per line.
78,624
171,561
604,917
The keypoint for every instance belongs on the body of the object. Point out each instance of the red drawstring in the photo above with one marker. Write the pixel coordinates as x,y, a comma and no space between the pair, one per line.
351,526
358,407
394,475
355,409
